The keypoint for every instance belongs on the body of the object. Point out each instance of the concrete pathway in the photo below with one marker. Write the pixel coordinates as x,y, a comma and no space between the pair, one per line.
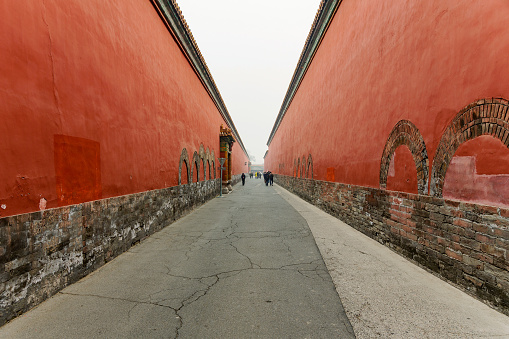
385,295
242,266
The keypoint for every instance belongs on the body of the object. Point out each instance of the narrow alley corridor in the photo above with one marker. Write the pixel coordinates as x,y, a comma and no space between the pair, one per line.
247,266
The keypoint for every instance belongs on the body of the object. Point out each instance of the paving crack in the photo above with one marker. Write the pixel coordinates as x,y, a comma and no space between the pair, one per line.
253,265
131,309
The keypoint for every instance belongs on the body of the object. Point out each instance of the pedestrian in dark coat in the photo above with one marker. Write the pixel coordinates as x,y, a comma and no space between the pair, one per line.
271,179
266,178
243,177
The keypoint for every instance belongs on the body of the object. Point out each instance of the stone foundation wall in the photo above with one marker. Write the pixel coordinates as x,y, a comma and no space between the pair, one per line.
466,244
236,178
42,252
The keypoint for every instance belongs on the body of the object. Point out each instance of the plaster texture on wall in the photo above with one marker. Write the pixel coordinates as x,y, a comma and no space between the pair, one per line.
402,175
384,62
98,100
478,172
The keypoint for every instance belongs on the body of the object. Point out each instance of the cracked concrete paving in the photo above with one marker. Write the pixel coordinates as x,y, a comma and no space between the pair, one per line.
242,266
385,295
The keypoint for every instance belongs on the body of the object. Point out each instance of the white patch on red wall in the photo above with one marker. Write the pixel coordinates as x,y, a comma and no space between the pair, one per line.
42,204
392,166
463,183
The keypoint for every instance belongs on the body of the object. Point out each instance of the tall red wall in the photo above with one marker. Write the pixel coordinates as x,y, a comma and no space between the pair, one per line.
384,61
97,101
240,161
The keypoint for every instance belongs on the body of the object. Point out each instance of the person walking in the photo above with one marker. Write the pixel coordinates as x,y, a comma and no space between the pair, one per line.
271,179
243,177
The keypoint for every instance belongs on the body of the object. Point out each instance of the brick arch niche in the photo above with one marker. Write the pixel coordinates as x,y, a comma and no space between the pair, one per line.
206,166
195,167
184,158
213,162
309,166
203,160
484,117
303,167
406,133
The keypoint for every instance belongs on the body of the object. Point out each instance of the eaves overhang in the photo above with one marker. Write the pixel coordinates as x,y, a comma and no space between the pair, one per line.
171,15
320,25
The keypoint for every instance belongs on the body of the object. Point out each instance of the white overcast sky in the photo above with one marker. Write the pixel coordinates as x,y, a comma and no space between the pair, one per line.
251,49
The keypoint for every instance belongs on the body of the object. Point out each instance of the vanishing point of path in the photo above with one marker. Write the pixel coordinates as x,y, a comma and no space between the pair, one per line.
242,266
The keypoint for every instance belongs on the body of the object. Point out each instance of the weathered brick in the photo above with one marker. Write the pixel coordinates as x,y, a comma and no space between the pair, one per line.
482,256
470,243
477,264
484,239
462,223
504,213
492,250
476,281
481,228
502,243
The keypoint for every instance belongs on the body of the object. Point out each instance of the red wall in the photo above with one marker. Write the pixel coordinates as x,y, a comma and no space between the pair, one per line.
384,61
402,172
240,161
479,171
97,101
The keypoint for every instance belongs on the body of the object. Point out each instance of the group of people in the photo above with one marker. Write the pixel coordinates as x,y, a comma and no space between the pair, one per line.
268,177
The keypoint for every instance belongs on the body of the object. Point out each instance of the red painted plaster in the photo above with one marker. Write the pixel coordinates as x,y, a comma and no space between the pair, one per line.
384,61
103,71
491,155
479,172
402,172
78,170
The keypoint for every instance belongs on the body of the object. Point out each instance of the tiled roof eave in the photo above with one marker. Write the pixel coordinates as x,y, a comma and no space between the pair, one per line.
171,14
320,25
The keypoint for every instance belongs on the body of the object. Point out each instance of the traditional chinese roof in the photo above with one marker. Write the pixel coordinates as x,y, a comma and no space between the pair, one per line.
226,132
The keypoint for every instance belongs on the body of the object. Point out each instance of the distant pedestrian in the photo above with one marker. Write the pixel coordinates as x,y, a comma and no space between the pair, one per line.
266,178
271,179
243,177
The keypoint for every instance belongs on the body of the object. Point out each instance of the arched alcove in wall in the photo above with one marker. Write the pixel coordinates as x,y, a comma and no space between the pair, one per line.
183,165
309,170
213,161
303,167
479,172
488,117
203,156
402,175
195,168
406,133
206,168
